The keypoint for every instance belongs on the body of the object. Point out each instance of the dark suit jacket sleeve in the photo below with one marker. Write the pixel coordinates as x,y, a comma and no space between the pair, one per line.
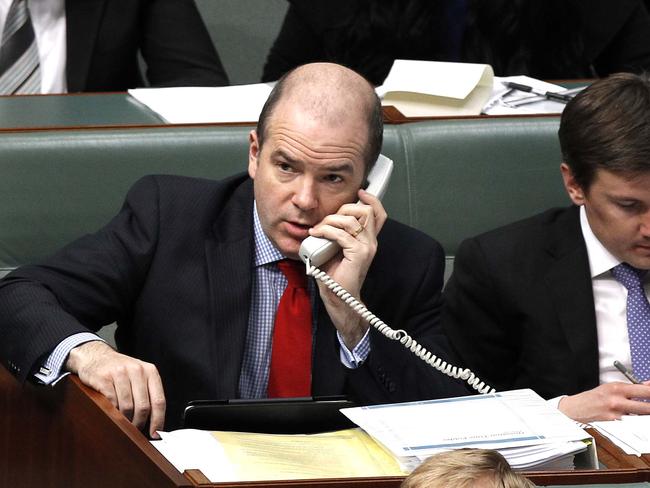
88,284
297,43
413,303
177,46
476,321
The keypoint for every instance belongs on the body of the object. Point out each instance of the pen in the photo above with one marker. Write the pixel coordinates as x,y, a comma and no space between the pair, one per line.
558,97
628,374
537,98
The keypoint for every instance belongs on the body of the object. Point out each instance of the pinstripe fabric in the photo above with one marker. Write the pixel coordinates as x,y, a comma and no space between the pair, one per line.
19,62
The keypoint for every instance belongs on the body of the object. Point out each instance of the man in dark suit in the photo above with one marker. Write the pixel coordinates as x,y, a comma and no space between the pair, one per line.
105,36
538,304
93,45
189,270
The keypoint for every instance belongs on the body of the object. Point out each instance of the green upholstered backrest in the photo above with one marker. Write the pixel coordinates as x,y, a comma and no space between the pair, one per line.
471,175
452,178
58,185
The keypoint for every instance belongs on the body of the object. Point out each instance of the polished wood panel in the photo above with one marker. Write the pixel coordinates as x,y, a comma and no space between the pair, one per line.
70,436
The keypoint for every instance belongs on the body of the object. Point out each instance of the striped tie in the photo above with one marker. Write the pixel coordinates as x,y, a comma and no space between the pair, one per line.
19,64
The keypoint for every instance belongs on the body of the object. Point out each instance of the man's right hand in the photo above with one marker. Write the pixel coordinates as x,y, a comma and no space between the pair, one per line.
609,401
132,386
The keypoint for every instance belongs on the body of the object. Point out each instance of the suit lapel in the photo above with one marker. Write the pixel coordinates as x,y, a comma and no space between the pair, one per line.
82,26
570,288
229,253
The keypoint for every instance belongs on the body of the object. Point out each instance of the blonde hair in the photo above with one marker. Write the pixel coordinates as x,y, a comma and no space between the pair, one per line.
465,468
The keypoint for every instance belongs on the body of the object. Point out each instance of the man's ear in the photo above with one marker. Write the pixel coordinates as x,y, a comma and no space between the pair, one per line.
575,191
253,153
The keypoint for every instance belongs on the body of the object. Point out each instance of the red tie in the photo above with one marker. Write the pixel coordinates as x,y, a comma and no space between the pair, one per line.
290,372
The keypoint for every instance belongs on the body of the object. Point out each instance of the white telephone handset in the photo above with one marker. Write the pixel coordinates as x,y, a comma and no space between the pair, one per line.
317,250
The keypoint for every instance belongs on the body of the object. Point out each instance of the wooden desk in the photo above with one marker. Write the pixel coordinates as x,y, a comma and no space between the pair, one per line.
111,110
70,436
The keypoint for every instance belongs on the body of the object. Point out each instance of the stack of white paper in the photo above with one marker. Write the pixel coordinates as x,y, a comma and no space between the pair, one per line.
519,424
631,433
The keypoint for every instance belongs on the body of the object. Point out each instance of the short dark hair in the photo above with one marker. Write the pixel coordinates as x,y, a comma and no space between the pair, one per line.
374,119
607,126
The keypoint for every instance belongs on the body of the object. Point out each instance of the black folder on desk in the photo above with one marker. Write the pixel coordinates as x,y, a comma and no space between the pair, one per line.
269,416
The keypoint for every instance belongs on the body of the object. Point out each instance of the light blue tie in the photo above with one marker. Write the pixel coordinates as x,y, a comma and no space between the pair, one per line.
638,318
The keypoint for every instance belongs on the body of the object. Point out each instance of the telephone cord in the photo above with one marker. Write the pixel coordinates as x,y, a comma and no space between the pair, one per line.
399,335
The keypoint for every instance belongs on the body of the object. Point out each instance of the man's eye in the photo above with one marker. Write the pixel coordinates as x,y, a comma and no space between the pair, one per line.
628,205
333,178
285,167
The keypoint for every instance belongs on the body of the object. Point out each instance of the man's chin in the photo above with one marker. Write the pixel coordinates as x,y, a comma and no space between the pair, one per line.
290,247
640,258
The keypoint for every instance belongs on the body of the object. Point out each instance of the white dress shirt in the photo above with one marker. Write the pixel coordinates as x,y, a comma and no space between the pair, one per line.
48,19
610,298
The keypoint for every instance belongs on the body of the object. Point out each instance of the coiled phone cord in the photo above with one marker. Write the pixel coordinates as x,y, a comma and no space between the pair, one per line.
400,334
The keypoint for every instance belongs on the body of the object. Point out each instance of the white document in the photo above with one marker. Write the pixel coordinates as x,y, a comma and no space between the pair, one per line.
244,456
196,449
433,88
498,104
194,105
631,433
496,421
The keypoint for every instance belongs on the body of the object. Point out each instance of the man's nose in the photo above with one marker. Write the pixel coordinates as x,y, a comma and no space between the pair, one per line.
305,194
645,225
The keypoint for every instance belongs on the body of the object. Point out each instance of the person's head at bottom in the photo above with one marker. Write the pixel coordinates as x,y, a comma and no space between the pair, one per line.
465,468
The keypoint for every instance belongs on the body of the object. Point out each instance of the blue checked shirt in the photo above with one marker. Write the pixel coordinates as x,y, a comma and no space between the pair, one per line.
268,286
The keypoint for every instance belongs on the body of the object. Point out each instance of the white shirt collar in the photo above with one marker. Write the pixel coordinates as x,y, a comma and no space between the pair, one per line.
600,259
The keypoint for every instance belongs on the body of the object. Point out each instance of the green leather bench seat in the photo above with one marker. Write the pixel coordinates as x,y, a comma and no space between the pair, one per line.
453,178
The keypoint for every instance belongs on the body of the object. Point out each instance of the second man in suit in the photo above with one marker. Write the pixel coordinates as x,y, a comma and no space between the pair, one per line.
550,302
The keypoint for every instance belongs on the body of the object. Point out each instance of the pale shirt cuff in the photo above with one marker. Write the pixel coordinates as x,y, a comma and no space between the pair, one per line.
555,402
355,358
50,372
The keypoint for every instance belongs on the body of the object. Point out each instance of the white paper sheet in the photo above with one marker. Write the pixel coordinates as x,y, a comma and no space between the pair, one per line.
631,433
196,449
496,105
187,105
433,88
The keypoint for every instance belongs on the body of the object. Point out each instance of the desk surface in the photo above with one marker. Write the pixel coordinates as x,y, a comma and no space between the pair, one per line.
102,110
72,111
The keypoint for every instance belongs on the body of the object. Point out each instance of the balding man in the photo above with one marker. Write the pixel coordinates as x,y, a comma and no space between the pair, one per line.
193,271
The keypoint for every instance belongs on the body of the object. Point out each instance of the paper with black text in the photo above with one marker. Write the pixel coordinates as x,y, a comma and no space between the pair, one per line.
245,456
505,420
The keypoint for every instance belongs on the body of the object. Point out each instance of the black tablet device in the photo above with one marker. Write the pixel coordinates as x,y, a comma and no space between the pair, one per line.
271,416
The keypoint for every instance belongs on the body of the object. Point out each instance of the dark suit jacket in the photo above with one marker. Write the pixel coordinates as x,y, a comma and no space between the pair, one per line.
615,37
105,36
174,269
519,306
